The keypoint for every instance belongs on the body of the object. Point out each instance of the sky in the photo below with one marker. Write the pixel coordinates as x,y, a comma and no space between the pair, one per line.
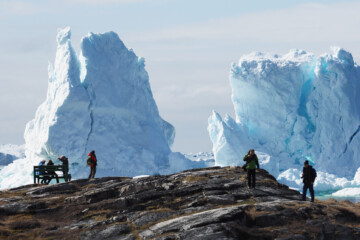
188,46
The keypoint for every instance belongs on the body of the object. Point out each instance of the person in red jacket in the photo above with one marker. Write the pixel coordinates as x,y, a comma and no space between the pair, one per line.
92,161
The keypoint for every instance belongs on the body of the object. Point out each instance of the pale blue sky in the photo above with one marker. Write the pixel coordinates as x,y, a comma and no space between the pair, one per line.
188,46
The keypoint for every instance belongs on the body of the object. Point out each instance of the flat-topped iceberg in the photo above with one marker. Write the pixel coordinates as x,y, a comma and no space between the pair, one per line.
294,107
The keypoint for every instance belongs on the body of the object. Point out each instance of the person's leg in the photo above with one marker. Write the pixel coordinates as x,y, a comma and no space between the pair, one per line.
90,172
249,178
311,189
93,170
304,192
253,178
48,180
44,180
57,178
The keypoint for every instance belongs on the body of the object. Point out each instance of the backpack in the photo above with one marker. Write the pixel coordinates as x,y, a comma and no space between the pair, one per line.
314,175
89,160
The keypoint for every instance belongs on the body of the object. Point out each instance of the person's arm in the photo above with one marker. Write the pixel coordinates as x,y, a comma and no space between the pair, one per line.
245,157
257,162
313,175
302,175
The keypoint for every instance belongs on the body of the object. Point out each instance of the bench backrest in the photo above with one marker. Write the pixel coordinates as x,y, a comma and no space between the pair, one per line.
39,169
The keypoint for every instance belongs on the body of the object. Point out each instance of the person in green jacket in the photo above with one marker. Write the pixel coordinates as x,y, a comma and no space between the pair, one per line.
252,163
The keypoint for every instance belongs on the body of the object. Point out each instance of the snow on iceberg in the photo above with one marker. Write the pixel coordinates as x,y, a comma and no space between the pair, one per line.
294,107
98,100
324,181
347,192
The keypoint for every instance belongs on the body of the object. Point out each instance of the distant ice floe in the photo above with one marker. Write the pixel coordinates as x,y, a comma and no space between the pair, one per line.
11,152
324,181
347,192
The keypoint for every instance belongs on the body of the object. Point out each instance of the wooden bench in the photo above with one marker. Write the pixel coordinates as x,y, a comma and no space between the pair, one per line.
41,172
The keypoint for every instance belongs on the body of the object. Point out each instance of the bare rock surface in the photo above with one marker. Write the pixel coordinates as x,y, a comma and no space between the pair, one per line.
211,203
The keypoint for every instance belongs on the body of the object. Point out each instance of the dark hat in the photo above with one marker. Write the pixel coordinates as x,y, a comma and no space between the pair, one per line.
62,157
306,162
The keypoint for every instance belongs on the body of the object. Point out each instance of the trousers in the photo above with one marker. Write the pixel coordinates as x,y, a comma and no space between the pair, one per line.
311,189
92,172
251,178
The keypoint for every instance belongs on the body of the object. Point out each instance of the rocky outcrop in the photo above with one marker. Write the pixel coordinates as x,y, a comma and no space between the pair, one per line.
211,203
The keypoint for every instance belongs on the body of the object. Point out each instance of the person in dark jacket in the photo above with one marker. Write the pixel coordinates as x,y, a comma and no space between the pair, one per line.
65,162
252,163
308,176
53,173
93,163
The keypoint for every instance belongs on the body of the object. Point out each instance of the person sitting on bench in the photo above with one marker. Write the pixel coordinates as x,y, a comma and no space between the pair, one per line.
53,173
42,163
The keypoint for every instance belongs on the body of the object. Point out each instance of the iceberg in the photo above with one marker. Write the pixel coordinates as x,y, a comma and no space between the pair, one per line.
11,152
347,192
98,100
293,108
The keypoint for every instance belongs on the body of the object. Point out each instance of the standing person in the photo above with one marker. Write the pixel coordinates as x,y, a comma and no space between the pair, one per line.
92,162
308,176
65,162
52,172
252,163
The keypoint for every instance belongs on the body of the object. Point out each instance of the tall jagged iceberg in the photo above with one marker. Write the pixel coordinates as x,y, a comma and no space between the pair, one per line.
122,108
293,107
100,100
62,122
